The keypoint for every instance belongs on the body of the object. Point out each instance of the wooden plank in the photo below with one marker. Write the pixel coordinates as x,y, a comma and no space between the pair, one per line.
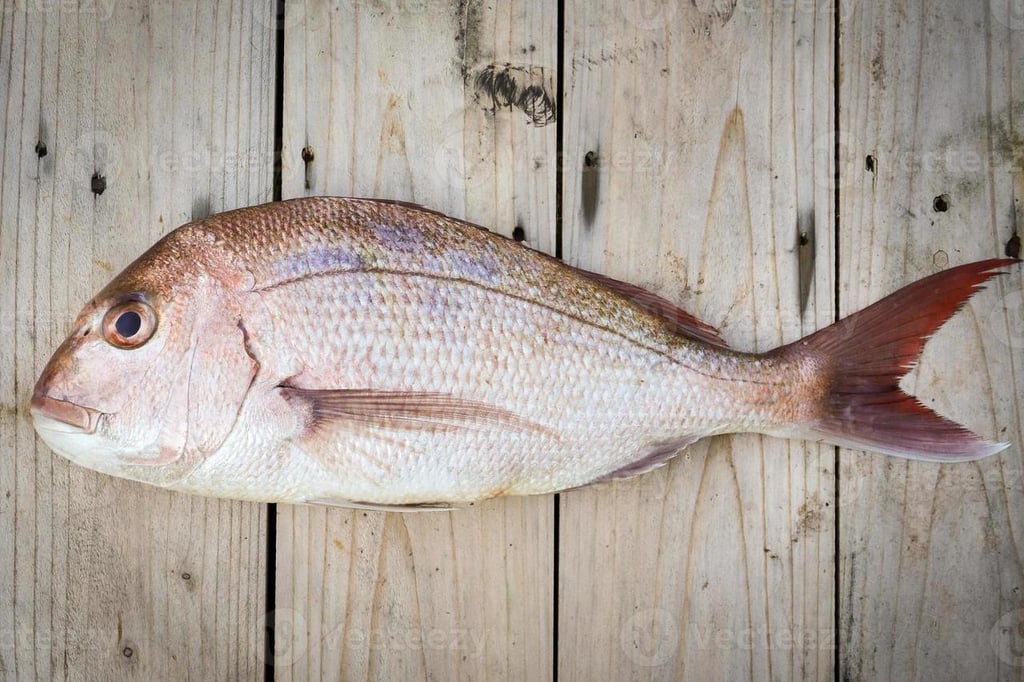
931,563
169,110
383,101
698,144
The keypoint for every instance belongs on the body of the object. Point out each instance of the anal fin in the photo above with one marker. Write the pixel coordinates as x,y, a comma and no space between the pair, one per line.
656,456
373,506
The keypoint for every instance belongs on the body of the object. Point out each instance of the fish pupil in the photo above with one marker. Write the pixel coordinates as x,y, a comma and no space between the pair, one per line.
128,324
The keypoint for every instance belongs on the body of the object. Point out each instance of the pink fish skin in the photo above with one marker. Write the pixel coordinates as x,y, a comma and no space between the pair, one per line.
375,354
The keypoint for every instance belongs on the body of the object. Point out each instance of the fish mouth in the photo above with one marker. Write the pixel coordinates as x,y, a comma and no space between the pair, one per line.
63,415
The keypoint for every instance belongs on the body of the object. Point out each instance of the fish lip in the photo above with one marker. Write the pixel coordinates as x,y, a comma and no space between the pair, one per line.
81,419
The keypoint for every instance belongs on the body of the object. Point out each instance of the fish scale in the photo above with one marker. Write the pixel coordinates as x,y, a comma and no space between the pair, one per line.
507,356
379,355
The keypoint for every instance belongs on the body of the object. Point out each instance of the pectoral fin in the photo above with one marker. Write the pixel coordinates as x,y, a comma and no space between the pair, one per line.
402,410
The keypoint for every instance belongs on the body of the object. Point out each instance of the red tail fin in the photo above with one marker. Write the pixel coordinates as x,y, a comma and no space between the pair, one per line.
869,351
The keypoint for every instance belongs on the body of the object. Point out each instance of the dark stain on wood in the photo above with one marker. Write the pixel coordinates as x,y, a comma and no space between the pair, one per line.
44,165
719,10
810,516
307,160
98,184
508,86
878,72
590,187
712,15
1012,249
805,254
850,661
200,208
1007,143
467,36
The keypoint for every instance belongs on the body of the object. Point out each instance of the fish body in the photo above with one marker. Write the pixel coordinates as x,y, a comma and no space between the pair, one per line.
376,354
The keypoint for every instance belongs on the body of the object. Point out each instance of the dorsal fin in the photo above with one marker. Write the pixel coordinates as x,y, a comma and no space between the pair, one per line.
678,319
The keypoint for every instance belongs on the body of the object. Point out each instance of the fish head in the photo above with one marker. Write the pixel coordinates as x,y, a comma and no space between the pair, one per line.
143,386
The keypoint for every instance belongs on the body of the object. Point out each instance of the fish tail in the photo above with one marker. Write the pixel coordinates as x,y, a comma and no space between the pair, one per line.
863,357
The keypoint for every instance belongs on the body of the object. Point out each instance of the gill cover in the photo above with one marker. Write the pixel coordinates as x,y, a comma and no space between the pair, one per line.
221,374
218,376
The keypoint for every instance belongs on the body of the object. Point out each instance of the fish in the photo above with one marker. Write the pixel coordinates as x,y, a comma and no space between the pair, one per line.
379,355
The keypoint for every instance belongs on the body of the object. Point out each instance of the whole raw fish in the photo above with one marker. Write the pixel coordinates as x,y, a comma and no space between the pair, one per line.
370,353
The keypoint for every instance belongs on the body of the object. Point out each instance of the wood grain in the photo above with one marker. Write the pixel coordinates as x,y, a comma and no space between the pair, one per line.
384,101
119,123
698,141
931,565
698,147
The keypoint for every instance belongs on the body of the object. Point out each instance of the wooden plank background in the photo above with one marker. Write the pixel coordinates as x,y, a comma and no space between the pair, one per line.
694,143
931,557
700,154
119,123
386,104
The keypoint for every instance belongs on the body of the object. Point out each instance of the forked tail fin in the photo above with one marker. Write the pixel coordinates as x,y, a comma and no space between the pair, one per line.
868,352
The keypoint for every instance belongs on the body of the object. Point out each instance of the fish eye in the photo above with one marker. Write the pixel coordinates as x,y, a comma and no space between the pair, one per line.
129,324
